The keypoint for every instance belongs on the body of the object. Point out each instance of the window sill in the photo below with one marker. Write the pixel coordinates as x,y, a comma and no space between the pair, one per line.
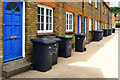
90,4
45,34
69,32
96,8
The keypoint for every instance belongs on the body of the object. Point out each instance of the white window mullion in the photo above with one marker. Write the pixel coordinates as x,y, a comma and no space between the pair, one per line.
52,20
68,22
72,22
40,19
45,19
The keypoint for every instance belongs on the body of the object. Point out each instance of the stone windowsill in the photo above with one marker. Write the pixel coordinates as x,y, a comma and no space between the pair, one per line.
45,34
90,4
69,32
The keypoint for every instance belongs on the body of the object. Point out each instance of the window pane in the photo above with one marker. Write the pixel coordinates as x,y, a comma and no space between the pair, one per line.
67,21
17,9
47,11
67,27
50,26
50,12
15,5
38,26
70,16
70,26
70,21
11,4
42,10
38,18
67,16
38,10
50,19
46,19
42,18
46,26
7,7
42,26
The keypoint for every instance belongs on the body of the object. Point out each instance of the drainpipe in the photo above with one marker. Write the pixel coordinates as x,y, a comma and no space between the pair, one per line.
108,19
100,15
83,14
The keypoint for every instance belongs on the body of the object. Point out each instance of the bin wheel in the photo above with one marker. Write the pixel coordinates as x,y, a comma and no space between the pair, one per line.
84,49
32,67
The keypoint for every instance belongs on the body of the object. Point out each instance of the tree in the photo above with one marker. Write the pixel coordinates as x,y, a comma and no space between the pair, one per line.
115,10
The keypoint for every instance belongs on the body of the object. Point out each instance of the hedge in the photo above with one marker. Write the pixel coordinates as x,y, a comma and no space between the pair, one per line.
117,24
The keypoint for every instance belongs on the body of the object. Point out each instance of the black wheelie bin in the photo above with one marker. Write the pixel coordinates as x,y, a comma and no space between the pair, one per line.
98,35
65,46
42,54
113,30
55,48
105,32
80,42
109,31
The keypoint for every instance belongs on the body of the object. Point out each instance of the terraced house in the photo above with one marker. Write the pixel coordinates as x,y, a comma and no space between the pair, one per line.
22,21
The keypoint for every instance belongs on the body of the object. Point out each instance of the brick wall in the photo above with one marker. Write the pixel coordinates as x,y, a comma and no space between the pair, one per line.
30,27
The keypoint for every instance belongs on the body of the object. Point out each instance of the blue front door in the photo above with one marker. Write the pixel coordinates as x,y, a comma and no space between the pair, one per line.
84,25
12,31
79,24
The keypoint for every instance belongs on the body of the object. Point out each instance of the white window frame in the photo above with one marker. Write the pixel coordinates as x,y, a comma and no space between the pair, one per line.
96,24
90,24
90,1
46,31
105,26
69,30
96,4
99,25
105,10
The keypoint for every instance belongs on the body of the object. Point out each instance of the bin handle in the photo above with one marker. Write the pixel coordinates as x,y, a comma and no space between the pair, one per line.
55,45
49,47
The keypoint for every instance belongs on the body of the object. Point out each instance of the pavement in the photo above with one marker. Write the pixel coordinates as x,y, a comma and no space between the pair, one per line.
99,61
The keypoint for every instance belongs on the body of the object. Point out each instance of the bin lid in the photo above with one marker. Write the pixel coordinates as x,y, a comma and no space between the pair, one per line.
105,29
55,39
65,36
98,31
42,41
80,34
113,28
109,29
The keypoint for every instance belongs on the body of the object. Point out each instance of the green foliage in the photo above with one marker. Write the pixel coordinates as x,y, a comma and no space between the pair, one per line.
115,10
117,24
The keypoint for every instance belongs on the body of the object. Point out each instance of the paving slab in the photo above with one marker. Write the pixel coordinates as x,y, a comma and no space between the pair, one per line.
99,61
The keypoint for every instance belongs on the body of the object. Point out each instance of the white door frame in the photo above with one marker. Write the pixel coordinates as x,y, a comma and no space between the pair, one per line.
23,31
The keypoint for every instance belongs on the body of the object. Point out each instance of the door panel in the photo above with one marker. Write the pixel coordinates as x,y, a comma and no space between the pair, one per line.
12,31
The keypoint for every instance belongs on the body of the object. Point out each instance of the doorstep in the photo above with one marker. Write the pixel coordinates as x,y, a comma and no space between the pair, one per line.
15,67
